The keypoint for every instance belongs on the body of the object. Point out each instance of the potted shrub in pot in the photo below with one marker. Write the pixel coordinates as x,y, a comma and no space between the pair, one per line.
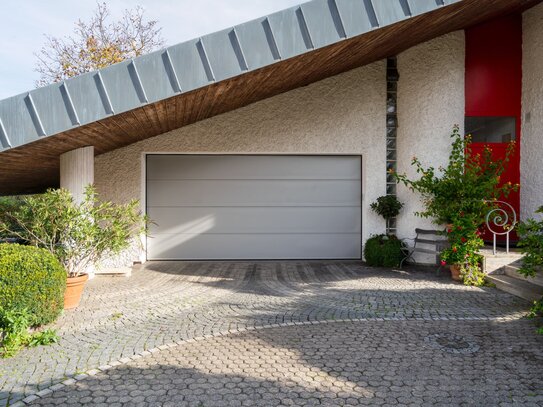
77,234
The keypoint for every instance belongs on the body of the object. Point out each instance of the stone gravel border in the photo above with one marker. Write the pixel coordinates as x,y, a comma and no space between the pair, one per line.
92,372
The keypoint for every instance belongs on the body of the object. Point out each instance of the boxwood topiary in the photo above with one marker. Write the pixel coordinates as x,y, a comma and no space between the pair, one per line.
383,251
31,279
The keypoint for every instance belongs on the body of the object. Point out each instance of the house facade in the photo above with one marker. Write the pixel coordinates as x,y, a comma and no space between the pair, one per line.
272,139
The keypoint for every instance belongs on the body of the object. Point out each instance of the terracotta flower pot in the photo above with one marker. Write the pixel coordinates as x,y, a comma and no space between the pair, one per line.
74,289
455,272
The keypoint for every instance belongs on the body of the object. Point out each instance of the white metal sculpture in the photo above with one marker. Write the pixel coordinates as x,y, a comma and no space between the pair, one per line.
500,221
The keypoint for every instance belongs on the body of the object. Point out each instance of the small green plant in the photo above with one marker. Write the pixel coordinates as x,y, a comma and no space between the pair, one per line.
387,206
32,279
77,234
384,251
531,242
537,312
15,335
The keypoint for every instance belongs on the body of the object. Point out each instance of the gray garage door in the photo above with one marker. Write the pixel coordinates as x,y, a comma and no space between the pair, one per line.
253,207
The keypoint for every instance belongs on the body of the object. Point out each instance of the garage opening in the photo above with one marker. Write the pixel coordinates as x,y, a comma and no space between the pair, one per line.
253,207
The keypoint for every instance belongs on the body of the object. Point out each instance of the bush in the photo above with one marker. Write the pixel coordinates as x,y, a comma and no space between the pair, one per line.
531,242
31,279
77,234
384,251
9,204
460,195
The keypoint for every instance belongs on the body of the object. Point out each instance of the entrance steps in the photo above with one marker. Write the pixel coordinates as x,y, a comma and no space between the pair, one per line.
502,270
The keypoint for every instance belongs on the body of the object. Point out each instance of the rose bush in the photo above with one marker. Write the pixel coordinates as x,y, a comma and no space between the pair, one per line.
460,195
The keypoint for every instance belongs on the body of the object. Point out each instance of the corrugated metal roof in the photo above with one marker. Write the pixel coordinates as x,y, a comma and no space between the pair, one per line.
194,64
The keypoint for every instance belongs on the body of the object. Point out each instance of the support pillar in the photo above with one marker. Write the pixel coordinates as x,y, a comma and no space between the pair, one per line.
77,171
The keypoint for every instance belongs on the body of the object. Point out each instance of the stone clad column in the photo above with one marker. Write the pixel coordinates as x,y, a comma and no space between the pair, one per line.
77,171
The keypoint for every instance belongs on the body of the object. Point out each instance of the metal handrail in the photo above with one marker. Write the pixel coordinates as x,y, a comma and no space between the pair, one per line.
499,217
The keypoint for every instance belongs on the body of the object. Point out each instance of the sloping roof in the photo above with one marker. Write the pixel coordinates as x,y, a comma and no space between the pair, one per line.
191,81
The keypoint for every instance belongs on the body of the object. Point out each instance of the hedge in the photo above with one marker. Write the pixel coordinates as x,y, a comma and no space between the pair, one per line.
383,251
31,279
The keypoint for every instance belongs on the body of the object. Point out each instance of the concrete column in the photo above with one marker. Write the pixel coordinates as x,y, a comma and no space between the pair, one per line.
77,171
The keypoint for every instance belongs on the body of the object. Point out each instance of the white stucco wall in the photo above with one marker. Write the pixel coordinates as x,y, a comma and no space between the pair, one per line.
344,114
531,149
430,101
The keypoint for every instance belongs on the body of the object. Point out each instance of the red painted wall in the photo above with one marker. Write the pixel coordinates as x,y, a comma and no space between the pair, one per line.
494,68
494,83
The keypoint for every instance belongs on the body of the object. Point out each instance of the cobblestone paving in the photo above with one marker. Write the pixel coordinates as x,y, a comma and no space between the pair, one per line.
168,302
333,364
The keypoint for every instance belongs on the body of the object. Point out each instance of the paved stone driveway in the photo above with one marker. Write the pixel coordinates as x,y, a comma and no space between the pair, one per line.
272,334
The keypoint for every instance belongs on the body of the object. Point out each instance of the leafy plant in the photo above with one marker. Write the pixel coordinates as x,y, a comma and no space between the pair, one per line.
31,278
465,241
468,184
531,242
9,204
460,195
537,312
14,328
384,251
77,234
387,206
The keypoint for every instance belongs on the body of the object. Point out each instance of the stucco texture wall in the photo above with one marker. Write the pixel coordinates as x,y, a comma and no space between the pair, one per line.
344,114
531,149
430,101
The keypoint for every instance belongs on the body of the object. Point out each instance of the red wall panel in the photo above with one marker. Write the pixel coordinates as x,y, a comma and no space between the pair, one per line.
494,84
494,68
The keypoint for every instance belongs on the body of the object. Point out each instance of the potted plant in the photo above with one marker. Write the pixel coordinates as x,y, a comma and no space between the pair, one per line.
77,234
385,250
464,242
460,195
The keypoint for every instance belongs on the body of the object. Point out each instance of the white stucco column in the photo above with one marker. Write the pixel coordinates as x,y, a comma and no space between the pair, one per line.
77,171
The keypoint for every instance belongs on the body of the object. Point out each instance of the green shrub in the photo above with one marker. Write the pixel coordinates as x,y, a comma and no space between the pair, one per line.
9,204
31,279
387,206
384,251
14,326
531,242
77,234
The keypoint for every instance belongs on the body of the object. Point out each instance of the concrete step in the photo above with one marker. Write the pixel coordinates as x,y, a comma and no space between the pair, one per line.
114,272
515,286
511,270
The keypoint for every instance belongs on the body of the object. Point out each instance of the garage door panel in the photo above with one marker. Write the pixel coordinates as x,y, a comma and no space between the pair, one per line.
255,220
260,246
253,207
187,167
253,193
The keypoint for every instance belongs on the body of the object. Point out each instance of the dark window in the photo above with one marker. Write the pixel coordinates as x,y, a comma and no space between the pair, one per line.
491,129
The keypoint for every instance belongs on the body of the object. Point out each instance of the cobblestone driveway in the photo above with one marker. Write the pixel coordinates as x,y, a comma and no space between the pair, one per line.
416,338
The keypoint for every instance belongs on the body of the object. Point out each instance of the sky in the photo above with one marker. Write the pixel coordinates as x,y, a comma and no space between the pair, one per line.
24,23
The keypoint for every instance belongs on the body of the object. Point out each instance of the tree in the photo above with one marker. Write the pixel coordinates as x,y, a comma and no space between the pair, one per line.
97,43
